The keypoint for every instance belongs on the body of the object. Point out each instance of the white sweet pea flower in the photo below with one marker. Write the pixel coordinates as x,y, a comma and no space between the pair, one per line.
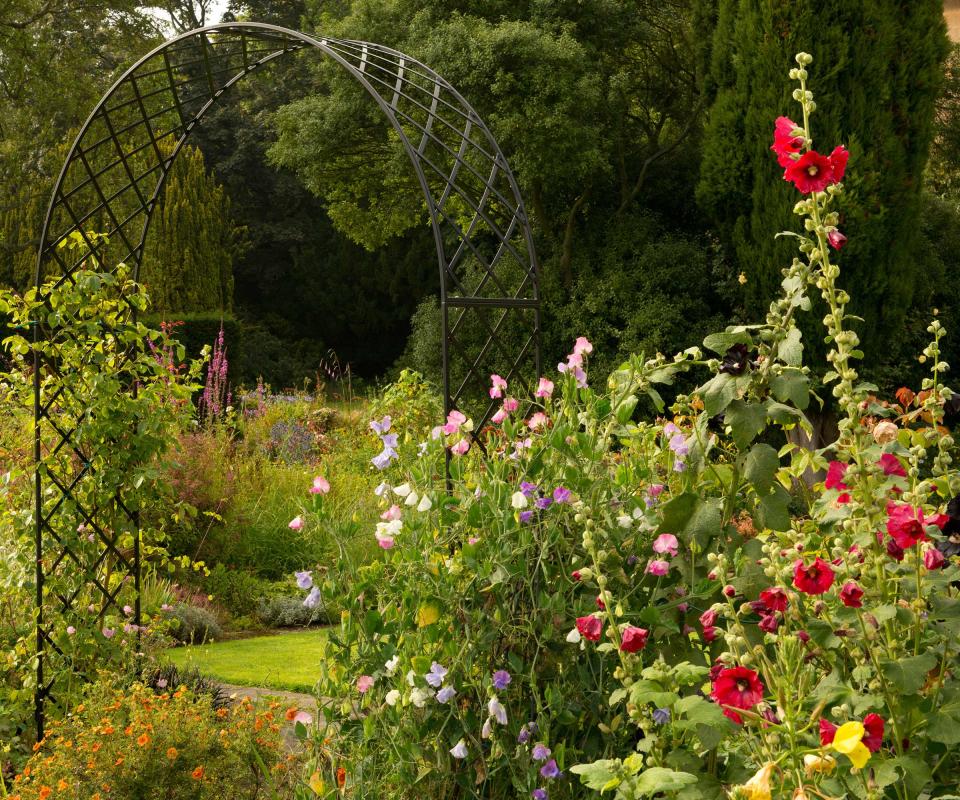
382,489
412,678
391,665
574,636
518,500
419,697
497,711
459,750
625,520
425,504
392,698
486,730
412,499
402,490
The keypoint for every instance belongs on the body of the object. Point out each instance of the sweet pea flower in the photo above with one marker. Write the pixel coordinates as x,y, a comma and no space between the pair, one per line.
561,495
544,388
658,567
459,750
499,386
538,794
436,675
304,579
364,684
543,503
320,485
296,523
402,490
108,632
666,543
446,694
454,420
461,447
550,770
128,610
425,504
391,513
382,489
391,665
499,417
679,444
497,711
382,426
582,346
392,697
71,630
540,752
525,516
537,421
419,697
511,404
518,500
382,460
501,679
312,600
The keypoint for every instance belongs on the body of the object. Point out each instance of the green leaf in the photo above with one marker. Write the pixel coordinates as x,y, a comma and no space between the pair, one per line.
773,509
692,518
746,421
760,466
625,409
909,674
651,692
791,387
658,779
717,393
698,710
790,350
597,774
721,342
916,773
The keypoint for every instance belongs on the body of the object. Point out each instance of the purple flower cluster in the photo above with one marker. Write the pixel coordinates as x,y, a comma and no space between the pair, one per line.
387,439
542,501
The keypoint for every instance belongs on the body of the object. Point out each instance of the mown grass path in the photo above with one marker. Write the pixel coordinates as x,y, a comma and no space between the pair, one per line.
285,661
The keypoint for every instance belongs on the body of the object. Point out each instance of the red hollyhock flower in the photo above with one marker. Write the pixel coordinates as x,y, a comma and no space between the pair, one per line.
933,559
894,550
827,731
708,618
812,172
835,473
906,524
633,639
784,142
873,738
838,161
768,623
836,239
891,465
739,687
600,603
851,595
815,579
774,598
709,633
590,627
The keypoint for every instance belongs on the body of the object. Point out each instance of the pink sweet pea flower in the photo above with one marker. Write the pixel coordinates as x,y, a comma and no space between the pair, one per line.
544,388
320,485
511,404
296,523
658,567
498,388
666,543
581,346
454,420
537,421
460,447
364,684
391,513
386,542
499,417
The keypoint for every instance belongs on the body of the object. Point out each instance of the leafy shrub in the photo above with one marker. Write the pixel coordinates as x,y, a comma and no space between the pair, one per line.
290,612
236,590
170,678
193,625
136,743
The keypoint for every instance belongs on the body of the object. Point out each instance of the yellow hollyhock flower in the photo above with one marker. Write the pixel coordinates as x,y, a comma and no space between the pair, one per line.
849,741
316,783
758,787
814,764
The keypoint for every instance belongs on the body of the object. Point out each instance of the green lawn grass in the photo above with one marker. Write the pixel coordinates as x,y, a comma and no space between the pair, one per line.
287,661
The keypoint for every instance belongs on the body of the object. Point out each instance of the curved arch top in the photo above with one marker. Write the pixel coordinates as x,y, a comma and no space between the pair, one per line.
113,179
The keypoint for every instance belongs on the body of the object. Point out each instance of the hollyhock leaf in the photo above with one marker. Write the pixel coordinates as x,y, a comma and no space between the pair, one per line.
760,466
791,386
644,691
717,393
746,421
790,350
659,779
916,773
598,774
699,711
720,343
944,724
773,509
909,674
691,518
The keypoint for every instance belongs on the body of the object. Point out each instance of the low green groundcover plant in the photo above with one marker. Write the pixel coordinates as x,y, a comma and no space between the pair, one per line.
668,608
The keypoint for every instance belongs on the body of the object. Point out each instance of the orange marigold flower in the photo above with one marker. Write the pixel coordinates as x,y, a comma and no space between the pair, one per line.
128,731
291,713
45,792
197,774
118,762
143,740
62,784
172,753
96,747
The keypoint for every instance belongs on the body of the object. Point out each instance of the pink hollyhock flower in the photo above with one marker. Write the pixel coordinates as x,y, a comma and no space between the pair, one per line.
774,598
581,346
838,162
827,731
835,473
544,388
768,623
709,634
296,523
836,239
785,143
537,421
708,618
511,404
391,513
933,558
873,738
666,543
498,387
633,639
891,465
658,567
815,579
739,687
499,417
320,485
851,595
364,684
454,420
590,627
460,447
812,172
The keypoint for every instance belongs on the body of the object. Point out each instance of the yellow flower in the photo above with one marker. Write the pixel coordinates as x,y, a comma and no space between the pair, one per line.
849,741
316,783
814,763
758,787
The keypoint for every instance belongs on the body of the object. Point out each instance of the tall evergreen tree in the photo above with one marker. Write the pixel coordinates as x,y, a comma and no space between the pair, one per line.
876,75
188,262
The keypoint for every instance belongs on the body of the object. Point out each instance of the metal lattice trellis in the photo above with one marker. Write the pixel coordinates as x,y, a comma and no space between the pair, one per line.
113,178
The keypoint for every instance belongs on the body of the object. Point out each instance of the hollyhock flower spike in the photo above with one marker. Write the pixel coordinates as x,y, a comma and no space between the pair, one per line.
774,599
812,172
633,639
813,579
785,142
933,558
851,595
836,239
890,464
838,162
873,725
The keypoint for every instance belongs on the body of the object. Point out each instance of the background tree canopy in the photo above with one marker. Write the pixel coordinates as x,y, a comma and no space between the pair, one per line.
637,130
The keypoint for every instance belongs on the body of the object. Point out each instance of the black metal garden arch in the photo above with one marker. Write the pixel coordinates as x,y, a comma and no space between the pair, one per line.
114,175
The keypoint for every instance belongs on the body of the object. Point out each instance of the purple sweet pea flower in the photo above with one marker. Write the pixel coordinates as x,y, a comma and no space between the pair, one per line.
436,675
539,794
661,716
541,752
382,461
313,599
524,735
382,426
446,694
389,441
304,579
543,503
561,495
529,489
501,680
679,444
525,516
550,770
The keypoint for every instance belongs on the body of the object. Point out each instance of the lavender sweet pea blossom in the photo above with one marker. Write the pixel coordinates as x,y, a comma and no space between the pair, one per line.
541,752
459,750
528,489
661,716
382,426
539,794
525,516
561,495
313,599
501,680
550,770
543,503
436,675
446,694
304,579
